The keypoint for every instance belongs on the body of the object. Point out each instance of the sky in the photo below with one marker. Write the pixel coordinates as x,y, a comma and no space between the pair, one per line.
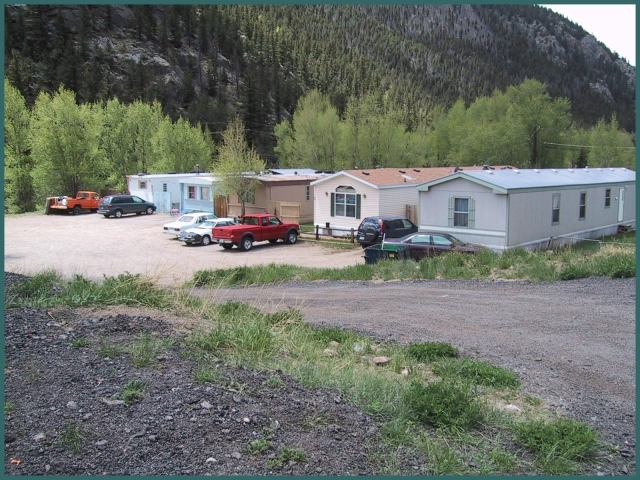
613,25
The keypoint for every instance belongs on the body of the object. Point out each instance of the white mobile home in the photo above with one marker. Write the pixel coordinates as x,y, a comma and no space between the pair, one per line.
530,208
343,199
182,191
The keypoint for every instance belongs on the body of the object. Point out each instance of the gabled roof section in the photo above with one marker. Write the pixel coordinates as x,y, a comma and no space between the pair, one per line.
507,180
390,177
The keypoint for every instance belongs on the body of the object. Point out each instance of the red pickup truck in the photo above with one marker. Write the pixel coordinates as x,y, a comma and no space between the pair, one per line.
256,228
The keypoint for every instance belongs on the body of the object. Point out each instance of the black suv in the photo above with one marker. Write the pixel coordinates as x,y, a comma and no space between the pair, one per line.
118,205
373,229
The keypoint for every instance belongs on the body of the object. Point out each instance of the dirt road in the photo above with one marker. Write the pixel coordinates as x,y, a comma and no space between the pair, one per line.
93,246
572,343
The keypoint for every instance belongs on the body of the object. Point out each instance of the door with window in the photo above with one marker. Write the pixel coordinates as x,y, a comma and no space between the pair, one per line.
621,205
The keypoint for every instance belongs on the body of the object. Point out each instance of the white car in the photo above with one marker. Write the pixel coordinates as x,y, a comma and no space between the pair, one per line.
202,233
187,221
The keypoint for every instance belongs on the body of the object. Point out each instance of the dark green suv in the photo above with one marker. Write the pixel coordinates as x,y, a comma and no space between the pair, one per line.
118,205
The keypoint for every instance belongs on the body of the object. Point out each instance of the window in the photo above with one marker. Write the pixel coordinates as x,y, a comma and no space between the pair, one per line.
192,192
164,187
440,241
142,184
583,205
607,198
204,193
345,202
308,192
461,212
555,209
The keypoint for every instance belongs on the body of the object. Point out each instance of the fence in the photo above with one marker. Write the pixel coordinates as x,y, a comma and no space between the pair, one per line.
348,233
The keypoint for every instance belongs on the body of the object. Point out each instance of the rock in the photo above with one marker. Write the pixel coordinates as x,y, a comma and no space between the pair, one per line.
512,408
236,455
72,405
329,353
334,344
113,402
211,460
38,436
380,361
405,371
206,405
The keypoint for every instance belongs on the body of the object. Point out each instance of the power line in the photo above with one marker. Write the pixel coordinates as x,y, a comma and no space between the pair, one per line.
568,145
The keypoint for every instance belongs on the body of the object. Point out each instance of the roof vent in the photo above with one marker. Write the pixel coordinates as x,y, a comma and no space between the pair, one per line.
457,169
536,170
402,171
571,170
516,171
416,170
490,172
365,173
611,169
554,170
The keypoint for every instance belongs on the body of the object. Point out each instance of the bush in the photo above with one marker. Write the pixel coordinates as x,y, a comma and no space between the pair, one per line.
443,404
429,351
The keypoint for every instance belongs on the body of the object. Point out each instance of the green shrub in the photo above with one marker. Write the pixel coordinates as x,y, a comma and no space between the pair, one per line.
429,351
575,271
132,391
330,334
477,372
443,404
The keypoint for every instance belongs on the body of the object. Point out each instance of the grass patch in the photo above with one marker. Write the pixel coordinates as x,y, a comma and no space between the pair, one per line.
259,445
274,381
477,373
73,438
207,375
79,342
444,404
430,351
132,391
286,455
557,444
145,351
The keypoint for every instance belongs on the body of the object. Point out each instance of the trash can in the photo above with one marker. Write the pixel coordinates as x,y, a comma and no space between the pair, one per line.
385,251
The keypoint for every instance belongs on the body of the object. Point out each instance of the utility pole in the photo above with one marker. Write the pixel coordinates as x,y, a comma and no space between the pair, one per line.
534,148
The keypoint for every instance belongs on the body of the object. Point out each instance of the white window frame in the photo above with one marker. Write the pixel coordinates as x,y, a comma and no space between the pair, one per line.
459,215
582,211
205,193
555,207
345,202
142,184
607,198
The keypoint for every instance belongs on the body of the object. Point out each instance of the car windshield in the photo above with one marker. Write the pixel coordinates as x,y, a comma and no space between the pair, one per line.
207,224
186,218
457,241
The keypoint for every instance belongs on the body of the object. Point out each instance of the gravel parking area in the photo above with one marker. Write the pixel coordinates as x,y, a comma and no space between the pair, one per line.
94,246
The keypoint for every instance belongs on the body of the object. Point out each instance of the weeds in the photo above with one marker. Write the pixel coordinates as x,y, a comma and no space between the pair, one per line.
145,351
275,381
477,372
258,446
430,351
132,391
79,342
558,444
286,455
73,437
444,404
207,375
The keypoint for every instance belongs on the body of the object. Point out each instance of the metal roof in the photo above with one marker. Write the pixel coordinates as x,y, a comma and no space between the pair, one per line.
293,171
509,179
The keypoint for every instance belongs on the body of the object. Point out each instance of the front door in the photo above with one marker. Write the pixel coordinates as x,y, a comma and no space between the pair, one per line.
621,205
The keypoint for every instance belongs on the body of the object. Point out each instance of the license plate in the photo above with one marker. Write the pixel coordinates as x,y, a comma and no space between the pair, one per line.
361,237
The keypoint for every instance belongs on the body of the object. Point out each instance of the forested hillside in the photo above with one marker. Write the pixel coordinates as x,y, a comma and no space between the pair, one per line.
94,93
208,63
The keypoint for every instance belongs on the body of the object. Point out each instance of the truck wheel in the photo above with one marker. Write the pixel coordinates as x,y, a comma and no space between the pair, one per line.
205,240
227,246
117,213
245,244
149,210
77,210
291,238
